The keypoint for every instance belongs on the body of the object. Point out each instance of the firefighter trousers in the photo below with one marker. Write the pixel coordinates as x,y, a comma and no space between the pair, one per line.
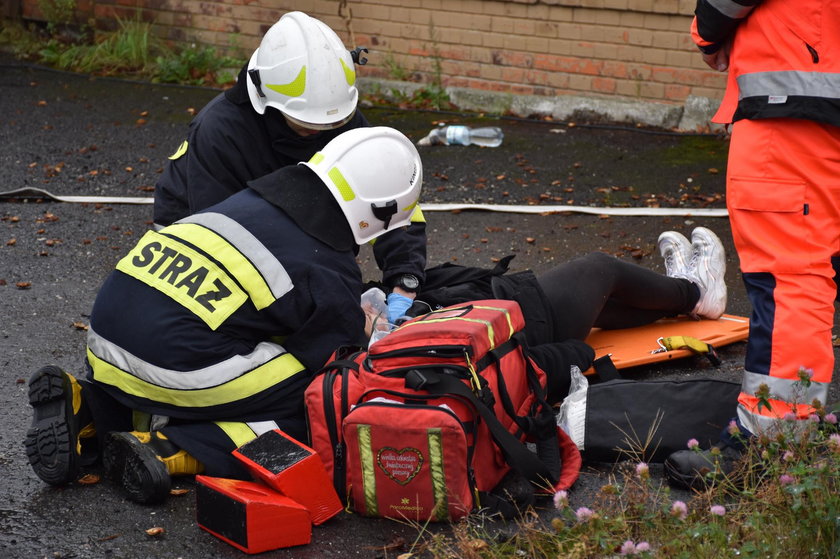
210,442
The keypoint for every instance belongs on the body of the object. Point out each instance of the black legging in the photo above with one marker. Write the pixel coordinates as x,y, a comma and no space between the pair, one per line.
602,291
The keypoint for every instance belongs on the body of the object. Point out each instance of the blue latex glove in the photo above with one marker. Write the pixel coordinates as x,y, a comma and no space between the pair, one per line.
398,305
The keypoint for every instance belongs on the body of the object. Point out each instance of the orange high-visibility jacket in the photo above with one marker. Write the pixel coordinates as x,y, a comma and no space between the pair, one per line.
784,60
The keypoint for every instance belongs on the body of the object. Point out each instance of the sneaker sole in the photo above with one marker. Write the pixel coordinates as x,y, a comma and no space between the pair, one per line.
51,439
136,468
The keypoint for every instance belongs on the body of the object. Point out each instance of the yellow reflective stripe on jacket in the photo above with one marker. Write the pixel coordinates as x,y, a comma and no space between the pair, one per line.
261,378
417,215
237,431
206,377
182,149
254,266
185,275
269,271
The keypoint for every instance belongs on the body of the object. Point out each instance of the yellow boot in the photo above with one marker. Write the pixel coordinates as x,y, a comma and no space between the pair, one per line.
143,462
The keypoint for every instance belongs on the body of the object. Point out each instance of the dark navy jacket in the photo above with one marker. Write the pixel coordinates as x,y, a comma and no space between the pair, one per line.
154,351
229,144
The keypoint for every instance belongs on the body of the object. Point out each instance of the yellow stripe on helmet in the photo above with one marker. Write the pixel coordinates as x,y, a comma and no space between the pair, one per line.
294,88
341,184
349,72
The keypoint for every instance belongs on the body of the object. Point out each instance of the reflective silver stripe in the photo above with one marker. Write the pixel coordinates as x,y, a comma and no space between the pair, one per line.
767,425
207,377
264,261
260,427
731,9
789,82
787,390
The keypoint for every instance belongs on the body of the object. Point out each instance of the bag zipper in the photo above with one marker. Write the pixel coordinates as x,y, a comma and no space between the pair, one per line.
441,351
329,416
337,442
463,372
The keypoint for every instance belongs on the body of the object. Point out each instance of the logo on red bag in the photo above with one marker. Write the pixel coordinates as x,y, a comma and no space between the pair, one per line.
400,465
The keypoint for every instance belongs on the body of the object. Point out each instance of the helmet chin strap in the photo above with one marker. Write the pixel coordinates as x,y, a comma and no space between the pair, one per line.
384,213
254,74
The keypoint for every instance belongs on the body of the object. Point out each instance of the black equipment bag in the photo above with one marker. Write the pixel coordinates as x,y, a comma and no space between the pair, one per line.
657,417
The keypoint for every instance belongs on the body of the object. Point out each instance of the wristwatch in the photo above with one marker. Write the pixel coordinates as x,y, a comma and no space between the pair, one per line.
408,282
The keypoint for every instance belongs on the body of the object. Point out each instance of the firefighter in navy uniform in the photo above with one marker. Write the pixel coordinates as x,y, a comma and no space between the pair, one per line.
208,331
295,94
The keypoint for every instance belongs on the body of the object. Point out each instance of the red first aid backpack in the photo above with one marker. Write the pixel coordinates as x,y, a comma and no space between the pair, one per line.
426,423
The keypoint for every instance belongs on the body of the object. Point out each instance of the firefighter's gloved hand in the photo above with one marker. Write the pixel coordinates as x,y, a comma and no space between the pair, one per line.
398,305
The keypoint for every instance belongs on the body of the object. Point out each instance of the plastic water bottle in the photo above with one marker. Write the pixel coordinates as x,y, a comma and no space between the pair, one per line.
373,302
460,135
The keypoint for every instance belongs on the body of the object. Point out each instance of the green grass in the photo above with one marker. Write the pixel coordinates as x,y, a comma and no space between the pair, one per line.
782,501
195,66
130,51
134,51
694,149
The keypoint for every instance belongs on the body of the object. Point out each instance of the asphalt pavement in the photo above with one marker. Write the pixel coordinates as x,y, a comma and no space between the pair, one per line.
80,136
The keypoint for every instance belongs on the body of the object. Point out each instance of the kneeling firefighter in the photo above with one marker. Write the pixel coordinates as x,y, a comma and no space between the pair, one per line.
209,330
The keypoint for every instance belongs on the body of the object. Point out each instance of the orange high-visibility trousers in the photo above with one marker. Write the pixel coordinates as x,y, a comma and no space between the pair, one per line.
783,195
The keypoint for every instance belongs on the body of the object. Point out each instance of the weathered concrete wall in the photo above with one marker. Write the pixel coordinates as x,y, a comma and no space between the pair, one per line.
625,59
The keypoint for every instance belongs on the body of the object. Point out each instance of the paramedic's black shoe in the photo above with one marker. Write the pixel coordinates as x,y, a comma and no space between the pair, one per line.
142,463
511,497
59,417
693,469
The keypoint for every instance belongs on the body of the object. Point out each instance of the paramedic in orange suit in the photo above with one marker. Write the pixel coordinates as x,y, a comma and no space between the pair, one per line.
783,194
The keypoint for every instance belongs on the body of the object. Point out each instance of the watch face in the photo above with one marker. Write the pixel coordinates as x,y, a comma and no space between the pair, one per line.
407,281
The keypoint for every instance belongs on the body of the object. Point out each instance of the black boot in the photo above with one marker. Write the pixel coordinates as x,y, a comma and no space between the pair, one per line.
143,462
693,469
60,418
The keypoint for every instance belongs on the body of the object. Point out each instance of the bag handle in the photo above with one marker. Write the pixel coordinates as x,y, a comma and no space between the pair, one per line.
515,452
339,364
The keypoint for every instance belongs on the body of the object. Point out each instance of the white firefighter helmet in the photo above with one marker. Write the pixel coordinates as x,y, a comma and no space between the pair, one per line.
302,69
375,175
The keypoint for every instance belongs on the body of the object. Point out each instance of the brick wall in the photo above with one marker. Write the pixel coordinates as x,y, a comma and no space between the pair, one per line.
628,50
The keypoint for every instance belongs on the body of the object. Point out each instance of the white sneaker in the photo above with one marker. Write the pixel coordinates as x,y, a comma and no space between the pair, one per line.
676,250
707,268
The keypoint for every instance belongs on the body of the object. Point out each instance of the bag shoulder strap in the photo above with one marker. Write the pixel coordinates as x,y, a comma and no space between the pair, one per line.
606,369
515,452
